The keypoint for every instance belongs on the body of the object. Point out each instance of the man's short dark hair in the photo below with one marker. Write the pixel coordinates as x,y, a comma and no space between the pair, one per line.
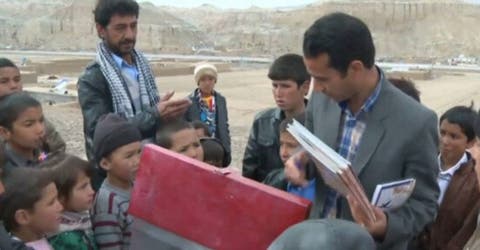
65,169
464,117
7,63
406,86
343,38
289,67
23,188
11,106
105,9
163,138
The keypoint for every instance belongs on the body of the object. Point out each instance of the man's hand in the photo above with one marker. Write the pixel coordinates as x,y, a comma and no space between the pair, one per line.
295,169
377,229
172,109
475,153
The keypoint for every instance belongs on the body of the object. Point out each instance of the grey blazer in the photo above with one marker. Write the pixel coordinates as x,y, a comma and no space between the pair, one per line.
400,141
223,131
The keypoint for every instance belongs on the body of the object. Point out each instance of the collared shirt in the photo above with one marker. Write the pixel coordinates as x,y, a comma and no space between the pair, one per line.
444,177
130,69
352,128
131,76
353,125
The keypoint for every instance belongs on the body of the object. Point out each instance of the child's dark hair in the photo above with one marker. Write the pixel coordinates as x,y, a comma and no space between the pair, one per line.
2,156
200,125
163,138
476,126
7,63
284,124
65,169
105,9
462,116
289,67
406,86
11,106
213,151
23,188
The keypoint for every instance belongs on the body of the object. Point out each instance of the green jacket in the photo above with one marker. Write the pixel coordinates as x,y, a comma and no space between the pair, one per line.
73,240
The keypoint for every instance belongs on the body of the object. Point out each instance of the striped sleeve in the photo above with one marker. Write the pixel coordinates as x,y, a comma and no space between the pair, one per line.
107,231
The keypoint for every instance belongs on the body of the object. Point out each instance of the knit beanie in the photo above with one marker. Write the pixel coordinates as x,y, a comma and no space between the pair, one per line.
112,132
204,69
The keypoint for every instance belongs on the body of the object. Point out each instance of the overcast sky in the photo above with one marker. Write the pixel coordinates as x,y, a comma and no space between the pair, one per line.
242,4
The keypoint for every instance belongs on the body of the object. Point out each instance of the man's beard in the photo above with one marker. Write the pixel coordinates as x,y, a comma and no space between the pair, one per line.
116,48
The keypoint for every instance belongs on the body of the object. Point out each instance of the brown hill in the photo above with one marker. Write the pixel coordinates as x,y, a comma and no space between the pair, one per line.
411,30
68,25
404,29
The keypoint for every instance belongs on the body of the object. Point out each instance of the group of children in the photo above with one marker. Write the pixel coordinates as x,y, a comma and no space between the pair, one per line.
48,201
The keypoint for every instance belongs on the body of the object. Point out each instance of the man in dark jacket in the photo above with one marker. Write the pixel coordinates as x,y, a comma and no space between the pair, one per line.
120,79
290,84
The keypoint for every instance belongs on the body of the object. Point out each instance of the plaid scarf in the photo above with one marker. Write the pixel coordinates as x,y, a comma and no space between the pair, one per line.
122,103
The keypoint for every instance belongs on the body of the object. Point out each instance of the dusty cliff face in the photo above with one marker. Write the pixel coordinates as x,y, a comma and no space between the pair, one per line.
424,29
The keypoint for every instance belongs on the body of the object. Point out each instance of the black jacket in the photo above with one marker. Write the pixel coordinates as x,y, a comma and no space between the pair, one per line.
7,243
262,151
95,100
223,132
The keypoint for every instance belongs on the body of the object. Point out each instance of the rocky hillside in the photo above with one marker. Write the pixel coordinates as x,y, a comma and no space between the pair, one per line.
416,30
68,25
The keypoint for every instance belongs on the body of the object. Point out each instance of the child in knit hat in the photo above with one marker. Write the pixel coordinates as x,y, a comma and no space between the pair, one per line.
209,106
117,145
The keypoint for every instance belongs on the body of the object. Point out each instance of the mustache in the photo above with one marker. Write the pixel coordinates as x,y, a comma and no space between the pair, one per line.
127,41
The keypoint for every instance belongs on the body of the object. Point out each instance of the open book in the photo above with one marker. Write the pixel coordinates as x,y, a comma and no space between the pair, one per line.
335,170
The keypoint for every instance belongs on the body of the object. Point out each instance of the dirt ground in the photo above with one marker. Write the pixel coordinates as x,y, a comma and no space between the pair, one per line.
248,92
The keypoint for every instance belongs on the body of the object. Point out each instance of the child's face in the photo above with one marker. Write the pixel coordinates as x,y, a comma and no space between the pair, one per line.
187,143
81,196
288,95
453,142
122,164
10,81
288,146
45,215
206,84
28,130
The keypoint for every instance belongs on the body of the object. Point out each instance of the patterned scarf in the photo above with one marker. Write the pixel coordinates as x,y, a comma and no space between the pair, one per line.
208,113
122,104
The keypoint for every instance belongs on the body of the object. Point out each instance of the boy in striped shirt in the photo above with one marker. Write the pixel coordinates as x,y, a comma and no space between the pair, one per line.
117,150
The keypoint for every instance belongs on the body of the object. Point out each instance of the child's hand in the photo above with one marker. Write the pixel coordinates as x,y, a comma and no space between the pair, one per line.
295,169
